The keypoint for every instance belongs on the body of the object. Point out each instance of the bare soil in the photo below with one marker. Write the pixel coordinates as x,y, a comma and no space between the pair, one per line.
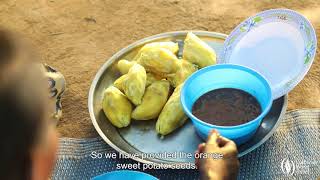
77,36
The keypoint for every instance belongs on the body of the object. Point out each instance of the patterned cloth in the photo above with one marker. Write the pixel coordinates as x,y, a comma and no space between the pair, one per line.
293,152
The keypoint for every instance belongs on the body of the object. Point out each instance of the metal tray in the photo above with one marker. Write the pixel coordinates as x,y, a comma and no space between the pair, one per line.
141,137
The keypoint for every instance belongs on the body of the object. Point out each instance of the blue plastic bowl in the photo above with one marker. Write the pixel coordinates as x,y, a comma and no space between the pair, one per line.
226,76
125,174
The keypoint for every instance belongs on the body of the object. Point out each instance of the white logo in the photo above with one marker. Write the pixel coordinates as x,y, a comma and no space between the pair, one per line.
287,166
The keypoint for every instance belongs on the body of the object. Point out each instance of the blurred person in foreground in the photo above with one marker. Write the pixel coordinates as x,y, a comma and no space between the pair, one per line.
28,137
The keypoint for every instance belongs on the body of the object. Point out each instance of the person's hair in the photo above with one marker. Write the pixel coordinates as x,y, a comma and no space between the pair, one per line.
22,107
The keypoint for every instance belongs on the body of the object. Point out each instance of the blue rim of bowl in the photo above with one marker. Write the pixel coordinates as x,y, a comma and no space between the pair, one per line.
125,171
223,66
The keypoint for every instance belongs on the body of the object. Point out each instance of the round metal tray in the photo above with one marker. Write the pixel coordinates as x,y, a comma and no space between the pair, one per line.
140,137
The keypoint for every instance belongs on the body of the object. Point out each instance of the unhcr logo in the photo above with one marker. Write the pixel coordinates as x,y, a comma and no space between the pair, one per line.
287,166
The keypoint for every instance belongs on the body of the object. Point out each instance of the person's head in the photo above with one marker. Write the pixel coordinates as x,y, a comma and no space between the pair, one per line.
27,140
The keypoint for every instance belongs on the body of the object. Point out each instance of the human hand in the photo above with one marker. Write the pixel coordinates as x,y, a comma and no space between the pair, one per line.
223,168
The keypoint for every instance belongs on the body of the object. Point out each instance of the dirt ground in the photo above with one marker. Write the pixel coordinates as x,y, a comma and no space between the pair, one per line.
77,36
